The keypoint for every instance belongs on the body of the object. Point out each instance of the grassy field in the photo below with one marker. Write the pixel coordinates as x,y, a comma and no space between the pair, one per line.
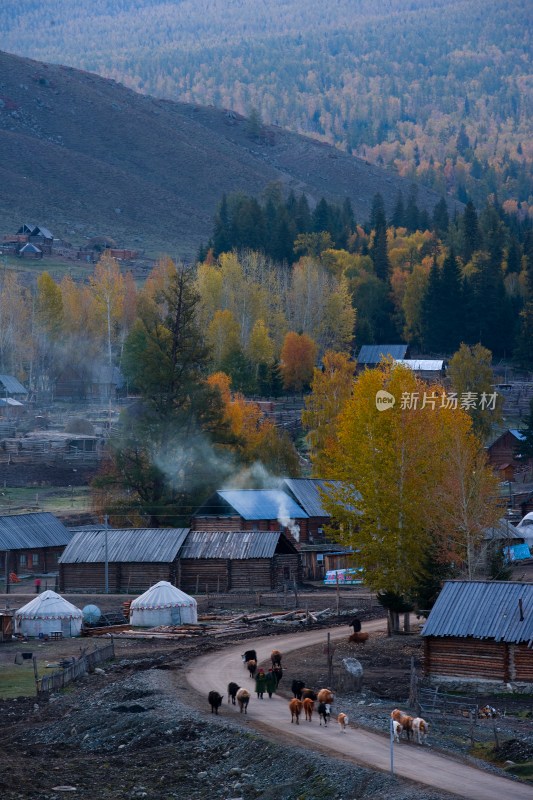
18,680
54,499
58,268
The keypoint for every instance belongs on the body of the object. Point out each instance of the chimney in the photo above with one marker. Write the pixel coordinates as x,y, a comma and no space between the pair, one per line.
521,608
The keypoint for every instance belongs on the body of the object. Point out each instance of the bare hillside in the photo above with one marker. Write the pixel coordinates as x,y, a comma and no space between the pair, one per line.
83,155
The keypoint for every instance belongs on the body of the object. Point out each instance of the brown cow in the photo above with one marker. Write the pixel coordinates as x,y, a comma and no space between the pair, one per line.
243,698
405,721
296,709
309,706
325,696
342,719
275,657
252,666
360,637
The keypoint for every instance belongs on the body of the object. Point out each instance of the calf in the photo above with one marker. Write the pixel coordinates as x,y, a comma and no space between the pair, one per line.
325,696
233,688
243,698
308,693
342,719
252,666
397,730
295,706
215,701
275,657
324,711
420,729
297,688
309,706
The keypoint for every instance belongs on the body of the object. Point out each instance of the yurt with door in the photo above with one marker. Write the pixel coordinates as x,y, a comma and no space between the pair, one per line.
163,604
48,613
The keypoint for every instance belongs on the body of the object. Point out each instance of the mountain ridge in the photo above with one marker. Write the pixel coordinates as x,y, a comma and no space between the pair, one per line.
84,155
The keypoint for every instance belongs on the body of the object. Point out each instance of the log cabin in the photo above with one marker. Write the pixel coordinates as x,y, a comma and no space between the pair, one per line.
479,636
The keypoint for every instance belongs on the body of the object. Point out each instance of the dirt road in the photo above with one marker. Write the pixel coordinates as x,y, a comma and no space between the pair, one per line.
411,761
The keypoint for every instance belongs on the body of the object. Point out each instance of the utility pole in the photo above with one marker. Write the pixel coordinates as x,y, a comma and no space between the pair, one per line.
106,557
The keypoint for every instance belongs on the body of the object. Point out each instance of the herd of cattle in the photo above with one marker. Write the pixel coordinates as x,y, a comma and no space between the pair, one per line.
304,700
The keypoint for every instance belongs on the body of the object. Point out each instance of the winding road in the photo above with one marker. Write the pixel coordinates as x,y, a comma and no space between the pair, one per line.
363,747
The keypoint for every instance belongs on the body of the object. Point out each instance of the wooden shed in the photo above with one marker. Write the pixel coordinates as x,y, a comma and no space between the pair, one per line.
136,559
504,454
480,633
31,544
224,561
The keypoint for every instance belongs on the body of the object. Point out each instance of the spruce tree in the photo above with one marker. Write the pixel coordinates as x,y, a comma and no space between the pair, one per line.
303,216
431,313
321,216
222,234
412,211
451,305
470,234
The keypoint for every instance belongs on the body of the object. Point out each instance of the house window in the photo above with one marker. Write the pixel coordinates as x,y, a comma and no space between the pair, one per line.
22,559
35,559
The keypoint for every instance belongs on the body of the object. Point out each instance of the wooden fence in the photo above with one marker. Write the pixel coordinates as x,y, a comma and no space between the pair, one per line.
80,667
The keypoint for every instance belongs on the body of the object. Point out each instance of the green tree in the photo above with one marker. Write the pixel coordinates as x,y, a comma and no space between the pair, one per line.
470,373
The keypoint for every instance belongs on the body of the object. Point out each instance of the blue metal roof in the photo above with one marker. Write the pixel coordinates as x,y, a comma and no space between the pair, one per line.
11,385
520,435
373,353
483,610
23,531
306,493
263,504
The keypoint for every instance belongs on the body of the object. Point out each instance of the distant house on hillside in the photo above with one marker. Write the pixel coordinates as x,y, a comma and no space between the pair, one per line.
480,634
30,251
371,354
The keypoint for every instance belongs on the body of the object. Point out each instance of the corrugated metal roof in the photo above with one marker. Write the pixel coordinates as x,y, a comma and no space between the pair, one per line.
133,545
373,353
231,544
12,385
307,494
422,365
520,435
23,531
263,504
483,610
503,530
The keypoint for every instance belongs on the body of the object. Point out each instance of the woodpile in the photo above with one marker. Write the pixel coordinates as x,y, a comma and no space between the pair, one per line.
211,625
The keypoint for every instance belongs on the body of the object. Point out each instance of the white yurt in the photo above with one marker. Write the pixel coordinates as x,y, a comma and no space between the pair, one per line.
48,613
163,604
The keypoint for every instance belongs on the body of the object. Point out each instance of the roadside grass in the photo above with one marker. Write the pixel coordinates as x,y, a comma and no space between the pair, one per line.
523,771
486,751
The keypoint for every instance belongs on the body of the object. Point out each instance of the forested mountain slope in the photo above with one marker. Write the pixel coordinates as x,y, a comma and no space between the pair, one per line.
80,153
440,89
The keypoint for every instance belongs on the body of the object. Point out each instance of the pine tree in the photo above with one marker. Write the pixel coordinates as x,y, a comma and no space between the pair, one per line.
321,217
412,212
221,234
431,316
379,254
377,213
469,233
451,304
303,216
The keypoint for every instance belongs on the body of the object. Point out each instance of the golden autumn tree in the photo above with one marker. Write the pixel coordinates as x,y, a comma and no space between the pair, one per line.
108,290
298,358
254,437
223,336
393,452
330,389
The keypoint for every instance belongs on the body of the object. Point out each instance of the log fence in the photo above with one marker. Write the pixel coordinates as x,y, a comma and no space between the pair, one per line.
81,666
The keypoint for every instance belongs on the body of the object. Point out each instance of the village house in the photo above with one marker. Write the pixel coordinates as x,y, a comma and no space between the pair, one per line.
427,369
318,554
31,543
225,561
370,355
194,561
504,456
253,510
11,387
479,636
136,559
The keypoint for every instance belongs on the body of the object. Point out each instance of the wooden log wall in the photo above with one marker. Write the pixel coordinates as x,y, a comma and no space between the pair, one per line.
217,524
122,577
195,574
466,657
522,656
284,565
251,574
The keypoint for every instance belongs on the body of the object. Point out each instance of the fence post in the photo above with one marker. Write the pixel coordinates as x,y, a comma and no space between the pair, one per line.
36,675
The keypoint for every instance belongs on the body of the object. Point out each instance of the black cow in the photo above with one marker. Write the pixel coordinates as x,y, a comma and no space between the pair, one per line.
249,655
233,688
278,672
215,701
296,688
324,711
